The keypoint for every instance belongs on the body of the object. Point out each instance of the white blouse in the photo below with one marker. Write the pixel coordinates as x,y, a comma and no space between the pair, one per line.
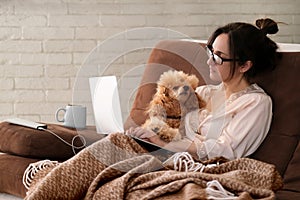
233,127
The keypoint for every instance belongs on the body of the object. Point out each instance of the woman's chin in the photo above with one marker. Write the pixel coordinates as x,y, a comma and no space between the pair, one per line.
214,76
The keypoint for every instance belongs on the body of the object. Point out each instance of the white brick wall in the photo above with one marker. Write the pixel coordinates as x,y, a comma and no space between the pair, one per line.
45,43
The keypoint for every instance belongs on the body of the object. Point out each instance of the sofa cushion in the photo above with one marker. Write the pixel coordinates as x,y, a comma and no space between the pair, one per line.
282,85
287,195
23,141
11,174
292,175
277,149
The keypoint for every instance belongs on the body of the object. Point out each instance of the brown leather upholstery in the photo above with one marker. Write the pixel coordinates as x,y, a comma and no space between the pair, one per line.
24,145
11,174
27,142
281,147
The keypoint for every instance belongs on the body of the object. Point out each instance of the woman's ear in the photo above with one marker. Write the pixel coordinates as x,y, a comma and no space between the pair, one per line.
246,66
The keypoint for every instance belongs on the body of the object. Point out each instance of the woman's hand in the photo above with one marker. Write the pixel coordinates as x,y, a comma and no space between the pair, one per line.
146,135
140,132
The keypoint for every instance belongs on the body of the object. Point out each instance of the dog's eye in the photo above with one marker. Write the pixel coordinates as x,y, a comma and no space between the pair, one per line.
155,130
176,88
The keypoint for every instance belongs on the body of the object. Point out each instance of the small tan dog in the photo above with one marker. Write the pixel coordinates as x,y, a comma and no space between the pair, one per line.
175,96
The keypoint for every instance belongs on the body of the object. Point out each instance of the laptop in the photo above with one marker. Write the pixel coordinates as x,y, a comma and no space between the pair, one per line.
106,104
108,113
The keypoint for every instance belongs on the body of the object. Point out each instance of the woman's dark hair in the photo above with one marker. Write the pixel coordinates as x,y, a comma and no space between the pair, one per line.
247,42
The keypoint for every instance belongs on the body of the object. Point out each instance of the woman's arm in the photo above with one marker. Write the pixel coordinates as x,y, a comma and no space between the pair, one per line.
184,145
243,131
176,146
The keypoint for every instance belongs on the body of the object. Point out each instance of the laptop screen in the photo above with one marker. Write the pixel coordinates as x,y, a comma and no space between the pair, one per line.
106,104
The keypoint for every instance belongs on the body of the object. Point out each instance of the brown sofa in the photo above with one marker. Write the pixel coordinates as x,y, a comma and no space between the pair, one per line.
281,147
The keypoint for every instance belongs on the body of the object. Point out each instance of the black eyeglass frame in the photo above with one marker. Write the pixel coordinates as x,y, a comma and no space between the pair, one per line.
211,53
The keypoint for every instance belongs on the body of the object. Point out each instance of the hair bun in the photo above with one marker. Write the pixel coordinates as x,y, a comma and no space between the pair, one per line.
267,26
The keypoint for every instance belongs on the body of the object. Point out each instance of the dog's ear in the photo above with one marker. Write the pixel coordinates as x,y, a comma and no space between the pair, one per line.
162,90
166,91
193,80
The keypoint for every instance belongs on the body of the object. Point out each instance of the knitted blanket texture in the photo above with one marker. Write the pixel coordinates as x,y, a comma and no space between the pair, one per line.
116,167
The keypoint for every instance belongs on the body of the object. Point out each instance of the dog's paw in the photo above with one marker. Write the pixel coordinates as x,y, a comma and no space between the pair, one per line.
169,134
165,137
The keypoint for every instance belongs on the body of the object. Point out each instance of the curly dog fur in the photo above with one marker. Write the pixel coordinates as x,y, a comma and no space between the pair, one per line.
175,96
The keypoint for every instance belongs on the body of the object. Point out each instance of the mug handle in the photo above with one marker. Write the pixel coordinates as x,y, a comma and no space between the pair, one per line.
57,113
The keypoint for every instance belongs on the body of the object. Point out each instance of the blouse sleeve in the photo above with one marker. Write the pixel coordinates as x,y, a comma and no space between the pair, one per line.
244,132
204,91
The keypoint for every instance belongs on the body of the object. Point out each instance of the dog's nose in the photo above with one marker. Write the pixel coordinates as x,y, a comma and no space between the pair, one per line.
186,88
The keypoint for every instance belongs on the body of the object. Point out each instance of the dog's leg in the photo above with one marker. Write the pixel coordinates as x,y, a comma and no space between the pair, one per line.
169,134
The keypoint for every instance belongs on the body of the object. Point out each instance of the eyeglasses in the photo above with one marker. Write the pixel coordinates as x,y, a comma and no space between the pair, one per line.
217,59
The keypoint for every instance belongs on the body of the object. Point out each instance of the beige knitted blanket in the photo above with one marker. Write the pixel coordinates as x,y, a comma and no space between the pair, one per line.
116,167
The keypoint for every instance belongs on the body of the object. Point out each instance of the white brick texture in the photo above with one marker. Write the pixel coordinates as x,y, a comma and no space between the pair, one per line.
48,47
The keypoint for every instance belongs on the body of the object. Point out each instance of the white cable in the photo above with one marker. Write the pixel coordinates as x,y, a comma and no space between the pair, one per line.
82,139
216,191
183,161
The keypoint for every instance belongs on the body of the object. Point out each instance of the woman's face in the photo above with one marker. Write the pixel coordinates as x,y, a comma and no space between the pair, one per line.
220,47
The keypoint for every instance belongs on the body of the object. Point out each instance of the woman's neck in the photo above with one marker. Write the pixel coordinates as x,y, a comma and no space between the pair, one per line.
235,85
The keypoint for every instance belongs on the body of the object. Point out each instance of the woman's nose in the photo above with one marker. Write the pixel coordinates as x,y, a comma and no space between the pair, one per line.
210,60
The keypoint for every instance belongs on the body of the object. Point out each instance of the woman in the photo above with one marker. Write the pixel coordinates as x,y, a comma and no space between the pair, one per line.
238,113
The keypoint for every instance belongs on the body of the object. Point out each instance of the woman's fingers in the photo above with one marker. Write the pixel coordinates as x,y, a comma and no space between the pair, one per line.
147,134
136,132
140,132
129,131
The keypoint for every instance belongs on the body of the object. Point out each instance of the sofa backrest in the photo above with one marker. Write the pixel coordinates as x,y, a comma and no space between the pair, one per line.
281,147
